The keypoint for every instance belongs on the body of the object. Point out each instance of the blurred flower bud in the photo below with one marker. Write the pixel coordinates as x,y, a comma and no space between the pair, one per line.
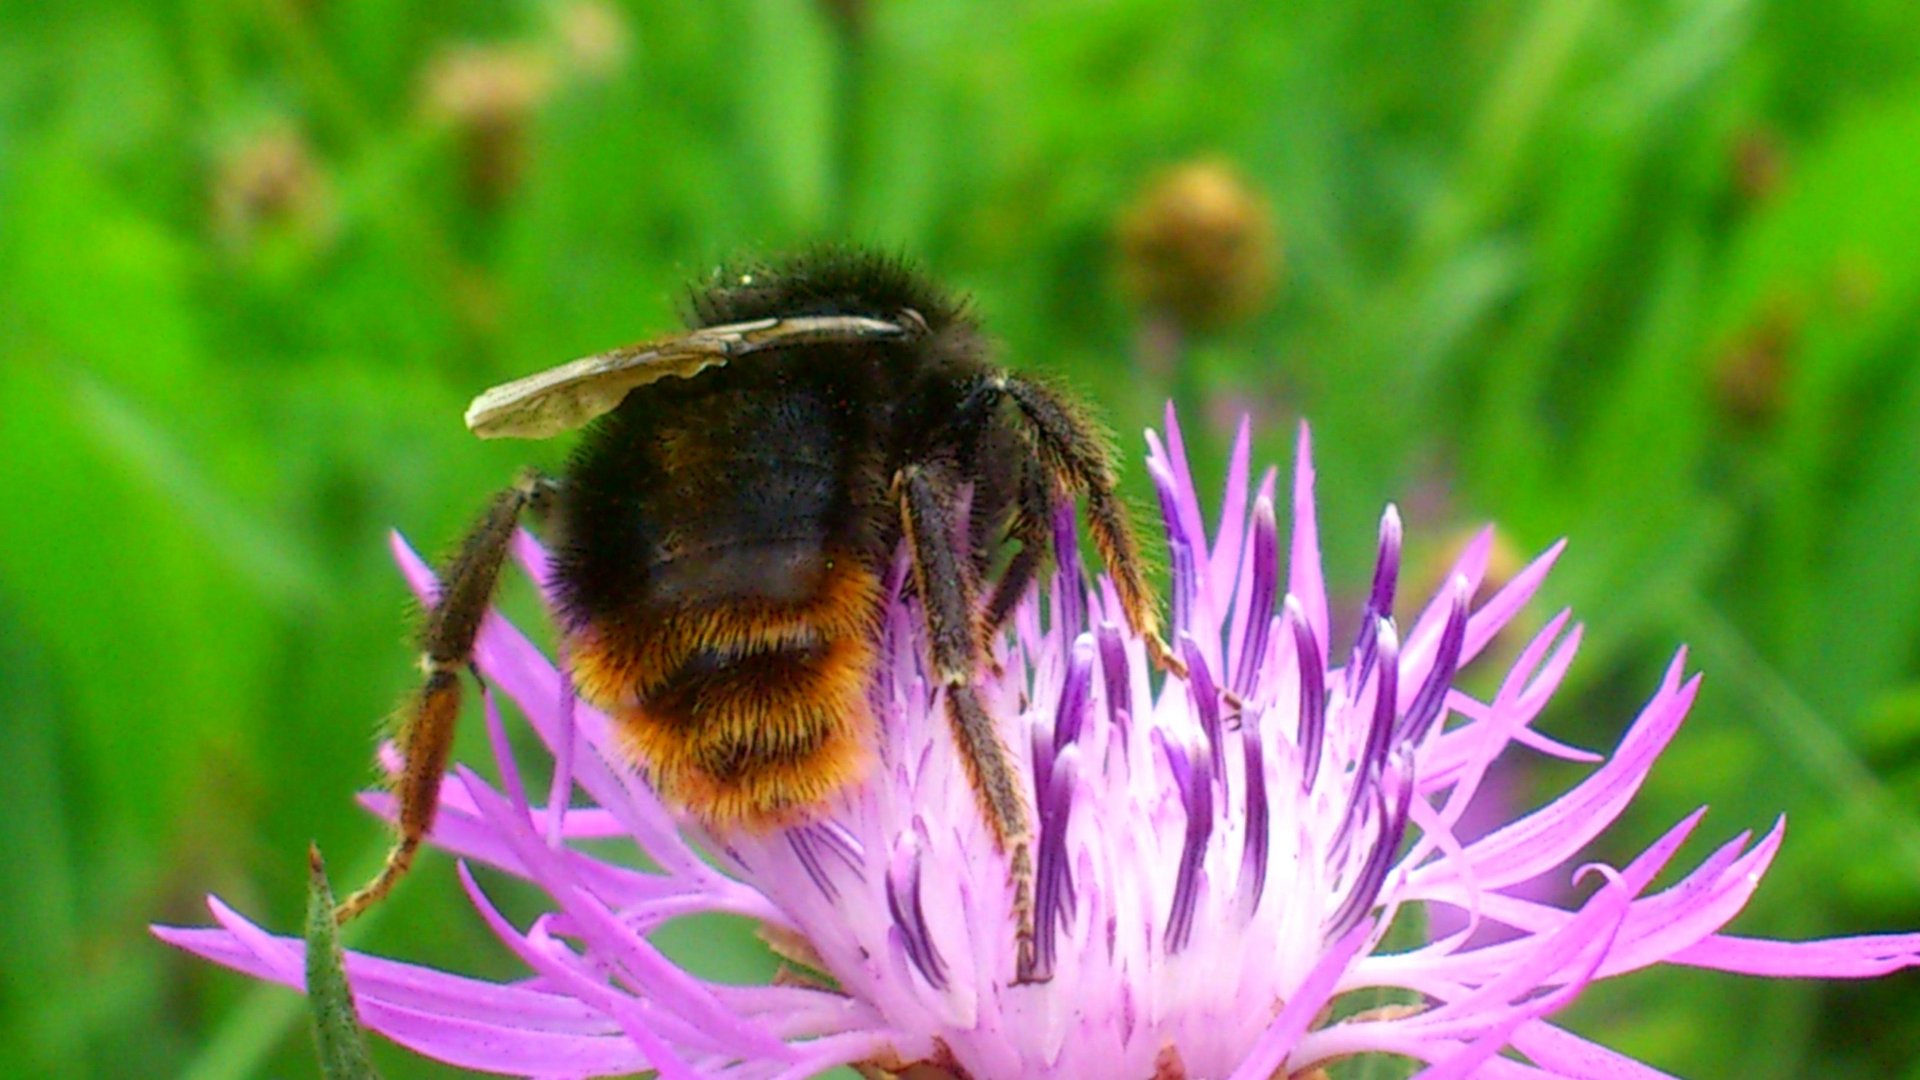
488,93
1751,372
1198,246
1758,161
487,84
593,37
269,185
849,15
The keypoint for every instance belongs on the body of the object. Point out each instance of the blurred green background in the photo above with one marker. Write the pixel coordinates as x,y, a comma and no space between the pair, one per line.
1643,274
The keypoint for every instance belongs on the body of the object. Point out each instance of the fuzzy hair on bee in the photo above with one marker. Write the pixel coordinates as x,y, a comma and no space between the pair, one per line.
723,532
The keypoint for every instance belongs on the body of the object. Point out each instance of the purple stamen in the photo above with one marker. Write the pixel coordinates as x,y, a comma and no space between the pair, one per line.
1259,614
1386,568
1360,661
1114,674
1380,858
1053,881
1041,738
903,903
1205,699
1070,716
840,841
1054,758
1373,755
1253,856
1426,707
1385,700
1313,692
1186,503
1196,796
802,842
1386,577
1165,488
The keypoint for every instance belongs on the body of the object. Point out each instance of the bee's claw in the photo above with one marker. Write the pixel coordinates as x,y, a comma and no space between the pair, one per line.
1165,658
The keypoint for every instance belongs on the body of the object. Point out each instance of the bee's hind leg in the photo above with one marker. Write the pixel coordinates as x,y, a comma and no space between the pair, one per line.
446,646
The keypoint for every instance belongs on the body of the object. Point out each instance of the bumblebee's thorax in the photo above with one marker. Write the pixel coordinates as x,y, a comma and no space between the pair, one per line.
740,488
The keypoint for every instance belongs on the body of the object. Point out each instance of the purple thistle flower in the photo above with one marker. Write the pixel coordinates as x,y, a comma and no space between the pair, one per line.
1209,878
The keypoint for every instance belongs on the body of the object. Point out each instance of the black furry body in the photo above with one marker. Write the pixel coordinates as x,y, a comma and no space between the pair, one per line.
742,484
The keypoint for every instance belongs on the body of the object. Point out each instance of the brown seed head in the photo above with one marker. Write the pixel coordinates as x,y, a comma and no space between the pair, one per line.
487,84
1752,372
1758,159
487,93
1198,246
269,182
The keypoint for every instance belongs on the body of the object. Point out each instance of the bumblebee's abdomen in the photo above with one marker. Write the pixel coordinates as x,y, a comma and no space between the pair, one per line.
748,716
756,740
780,571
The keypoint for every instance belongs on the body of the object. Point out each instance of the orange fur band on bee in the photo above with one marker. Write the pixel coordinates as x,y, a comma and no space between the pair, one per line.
619,665
780,734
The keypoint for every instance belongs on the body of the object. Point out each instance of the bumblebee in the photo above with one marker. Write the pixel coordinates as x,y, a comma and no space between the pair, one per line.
722,534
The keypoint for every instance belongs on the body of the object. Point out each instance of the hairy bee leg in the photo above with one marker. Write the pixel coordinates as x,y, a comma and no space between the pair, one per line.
998,788
948,607
446,645
1032,527
1074,449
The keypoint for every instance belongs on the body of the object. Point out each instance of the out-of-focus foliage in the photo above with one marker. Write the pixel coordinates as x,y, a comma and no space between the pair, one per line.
1643,274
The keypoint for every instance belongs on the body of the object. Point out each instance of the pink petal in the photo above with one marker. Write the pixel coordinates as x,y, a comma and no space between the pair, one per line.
1189,499
656,976
1494,615
466,1022
1306,581
1555,832
1572,1055
1595,925
1232,531
1281,1036
566,975
1830,958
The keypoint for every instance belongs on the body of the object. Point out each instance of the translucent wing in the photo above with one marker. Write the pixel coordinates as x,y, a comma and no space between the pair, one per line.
566,397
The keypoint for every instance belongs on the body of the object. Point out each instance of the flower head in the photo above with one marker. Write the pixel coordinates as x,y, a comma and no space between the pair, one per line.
1210,877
